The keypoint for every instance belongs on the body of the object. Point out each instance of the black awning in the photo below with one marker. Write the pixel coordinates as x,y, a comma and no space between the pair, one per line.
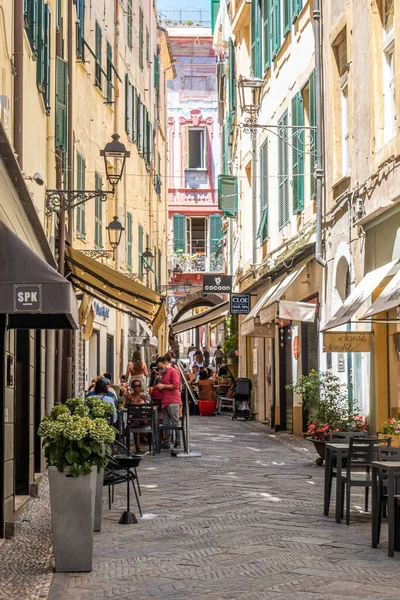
32,293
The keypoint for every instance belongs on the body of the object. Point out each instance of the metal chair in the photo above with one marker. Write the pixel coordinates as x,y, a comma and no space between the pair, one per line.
362,451
161,427
140,421
114,474
117,448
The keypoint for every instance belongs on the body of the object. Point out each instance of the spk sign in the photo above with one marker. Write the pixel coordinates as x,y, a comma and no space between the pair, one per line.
28,298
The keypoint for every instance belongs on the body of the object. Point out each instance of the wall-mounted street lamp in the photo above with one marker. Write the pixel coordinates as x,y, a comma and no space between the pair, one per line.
147,259
249,89
187,286
177,273
115,155
114,230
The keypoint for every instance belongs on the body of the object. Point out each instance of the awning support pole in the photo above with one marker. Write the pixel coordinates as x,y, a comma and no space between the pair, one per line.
3,328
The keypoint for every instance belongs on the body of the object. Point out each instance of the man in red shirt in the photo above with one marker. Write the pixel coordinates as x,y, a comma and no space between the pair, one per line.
170,388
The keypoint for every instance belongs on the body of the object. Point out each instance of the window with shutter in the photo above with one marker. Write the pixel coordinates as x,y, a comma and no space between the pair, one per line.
98,214
128,107
214,13
98,40
140,250
228,194
215,227
61,103
129,241
159,267
40,46
262,232
46,57
298,153
141,26
134,109
255,33
179,230
313,123
80,29
138,122
129,21
232,78
30,18
266,33
283,178
297,6
276,27
147,264
156,72
109,72
80,209
58,15
287,16
147,45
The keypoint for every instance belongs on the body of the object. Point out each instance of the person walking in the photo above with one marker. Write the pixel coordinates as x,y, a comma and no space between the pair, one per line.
137,369
206,356
218,356
169,386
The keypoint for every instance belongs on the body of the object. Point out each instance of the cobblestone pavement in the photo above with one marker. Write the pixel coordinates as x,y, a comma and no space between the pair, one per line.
242,522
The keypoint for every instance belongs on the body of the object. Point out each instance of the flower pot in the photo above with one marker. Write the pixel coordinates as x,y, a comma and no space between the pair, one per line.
319,445
395,439
207,407
98,505
72,501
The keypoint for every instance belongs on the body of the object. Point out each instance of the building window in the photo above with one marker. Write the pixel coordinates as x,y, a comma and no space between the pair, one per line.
129,240
196,149
266,35
98,41
147,45
129,24
80,29
388,47
141,40
98,215
344,98
81,208
140,250
283,196
262,232
109,73
43,52
340,51
255,35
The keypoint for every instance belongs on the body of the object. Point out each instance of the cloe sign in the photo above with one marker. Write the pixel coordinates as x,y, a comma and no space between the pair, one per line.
347,341
240,304
28,298
217,284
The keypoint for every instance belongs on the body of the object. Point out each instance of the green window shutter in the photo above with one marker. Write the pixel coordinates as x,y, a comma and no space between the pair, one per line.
134,109
232,78
58,15
214,13
98,215
109,72
262,232
283,201
255,33
266,19
129,240
297,153
46,57
80,29
141,26
138,121
159,268
147,45
61,103
313,123
276,27
80,209
140,250
129,24
297,6
147,264
127,115
40,46
98,42
31,24
287,16
225,147
228,194
215,224
179,228
156,72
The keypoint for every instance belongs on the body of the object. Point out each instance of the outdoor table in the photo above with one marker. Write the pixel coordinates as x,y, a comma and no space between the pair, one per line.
392,471
122,422
340,451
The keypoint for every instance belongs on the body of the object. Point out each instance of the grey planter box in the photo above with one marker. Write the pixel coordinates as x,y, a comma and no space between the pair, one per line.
98,506
72,502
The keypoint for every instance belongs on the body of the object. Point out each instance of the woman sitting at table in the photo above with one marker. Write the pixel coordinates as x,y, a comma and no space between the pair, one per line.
136,396
205,386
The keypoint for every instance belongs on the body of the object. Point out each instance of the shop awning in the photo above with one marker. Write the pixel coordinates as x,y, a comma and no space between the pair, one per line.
32,293
388,299
251,324
207,317
361,294
93,275
294,311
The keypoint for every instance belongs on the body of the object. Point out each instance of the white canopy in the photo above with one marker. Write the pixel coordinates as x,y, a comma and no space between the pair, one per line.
388,299
207,317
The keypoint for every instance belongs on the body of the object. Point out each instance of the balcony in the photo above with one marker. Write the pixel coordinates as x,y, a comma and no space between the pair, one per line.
198,263
191,197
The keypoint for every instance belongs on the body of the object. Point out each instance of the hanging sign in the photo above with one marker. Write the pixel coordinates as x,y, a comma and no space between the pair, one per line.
347,341
240,304
217,284
297,311
27,298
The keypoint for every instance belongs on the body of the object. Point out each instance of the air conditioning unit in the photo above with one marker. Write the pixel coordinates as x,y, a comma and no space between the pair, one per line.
4,112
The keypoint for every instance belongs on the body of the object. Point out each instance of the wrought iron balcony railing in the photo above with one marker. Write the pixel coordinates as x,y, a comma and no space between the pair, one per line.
198,263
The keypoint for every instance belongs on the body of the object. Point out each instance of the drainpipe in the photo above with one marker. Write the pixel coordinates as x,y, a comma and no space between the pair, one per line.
254,194
19,79
319,138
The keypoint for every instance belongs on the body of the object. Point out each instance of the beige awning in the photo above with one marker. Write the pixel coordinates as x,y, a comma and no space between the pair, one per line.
271,307
99,278
207,317
388,299
361,293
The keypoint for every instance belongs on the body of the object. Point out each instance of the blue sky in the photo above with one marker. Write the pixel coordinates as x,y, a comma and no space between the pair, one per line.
165,4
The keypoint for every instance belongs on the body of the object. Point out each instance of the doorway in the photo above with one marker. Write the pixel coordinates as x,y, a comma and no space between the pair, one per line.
110,355
22,401
285,378
39,401
309,352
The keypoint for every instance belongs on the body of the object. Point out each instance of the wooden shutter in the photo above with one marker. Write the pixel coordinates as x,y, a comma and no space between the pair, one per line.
179,230
214,13
159,268
156,72
98,216
185,139
287,16
141,24
46,57
283,206
297,6
31,15
129,256
80,28
215,233
58,15
262,232
298,153
255,33
232,79
140,250
266,33
313,122
80,209
129,24
138,117
40,46
134,109
276,27
109,72
147,45
61,135
98,52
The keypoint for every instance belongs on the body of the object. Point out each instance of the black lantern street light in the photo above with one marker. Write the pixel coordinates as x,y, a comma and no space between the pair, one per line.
187,286
147,258
177,273
115,155
114,230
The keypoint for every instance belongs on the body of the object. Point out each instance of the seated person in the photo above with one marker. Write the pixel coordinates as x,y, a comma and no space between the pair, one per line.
101,391
205,386
136,396
194,375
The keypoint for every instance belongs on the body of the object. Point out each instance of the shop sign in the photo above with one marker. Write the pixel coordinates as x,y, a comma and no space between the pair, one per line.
240,304
347,341
27,298
217,284
255,363
101,310
296,346
297,311
252,329
268,314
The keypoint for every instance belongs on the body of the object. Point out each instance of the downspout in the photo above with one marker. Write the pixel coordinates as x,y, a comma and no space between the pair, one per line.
254,194
319,137
19,79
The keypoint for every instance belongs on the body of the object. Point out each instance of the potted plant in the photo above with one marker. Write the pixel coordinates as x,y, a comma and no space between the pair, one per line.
74,446
391,428
325,398
230,349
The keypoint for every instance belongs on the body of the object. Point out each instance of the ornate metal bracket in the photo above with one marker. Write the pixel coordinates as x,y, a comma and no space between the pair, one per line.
97,253
63,200
299,137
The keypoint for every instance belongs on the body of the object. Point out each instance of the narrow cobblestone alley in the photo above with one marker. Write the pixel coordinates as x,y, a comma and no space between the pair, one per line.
244,521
